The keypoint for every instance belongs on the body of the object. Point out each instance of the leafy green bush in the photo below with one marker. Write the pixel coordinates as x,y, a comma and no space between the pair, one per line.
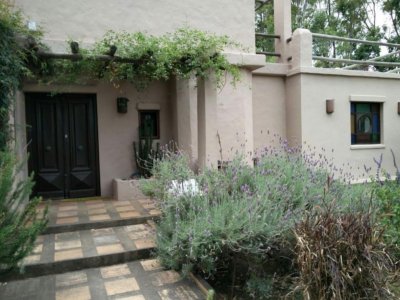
387,191
13,66
145,58
242,220
388,195
173,165
19,225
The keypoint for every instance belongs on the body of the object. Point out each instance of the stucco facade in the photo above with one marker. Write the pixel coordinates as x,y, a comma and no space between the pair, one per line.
116,132
294,107
191,111
87,21
285,99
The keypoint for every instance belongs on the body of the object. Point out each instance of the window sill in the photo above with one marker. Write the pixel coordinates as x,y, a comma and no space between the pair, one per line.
366,147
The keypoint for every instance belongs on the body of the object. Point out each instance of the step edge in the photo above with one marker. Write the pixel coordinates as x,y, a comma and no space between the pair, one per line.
52,229
76,264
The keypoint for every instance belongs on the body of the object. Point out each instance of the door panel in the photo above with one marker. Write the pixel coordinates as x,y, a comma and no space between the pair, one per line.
46,149
62,136
82,136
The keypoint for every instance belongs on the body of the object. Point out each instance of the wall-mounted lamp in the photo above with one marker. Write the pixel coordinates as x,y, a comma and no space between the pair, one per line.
122,105
330,106
74,47
112,50
398,108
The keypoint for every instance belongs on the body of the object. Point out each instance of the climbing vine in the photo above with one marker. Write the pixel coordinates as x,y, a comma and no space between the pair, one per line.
135,57
13,68
19,222
144,58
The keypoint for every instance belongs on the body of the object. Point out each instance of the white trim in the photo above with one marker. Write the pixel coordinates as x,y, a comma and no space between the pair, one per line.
148,106
367,147
367,98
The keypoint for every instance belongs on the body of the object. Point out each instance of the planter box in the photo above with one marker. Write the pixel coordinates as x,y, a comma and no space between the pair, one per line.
127,189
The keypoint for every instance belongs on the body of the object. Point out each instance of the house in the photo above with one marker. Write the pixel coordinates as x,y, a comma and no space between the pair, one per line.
79,142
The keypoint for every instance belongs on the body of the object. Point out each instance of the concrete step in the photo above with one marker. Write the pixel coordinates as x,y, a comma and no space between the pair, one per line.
69,251
67,215
138,280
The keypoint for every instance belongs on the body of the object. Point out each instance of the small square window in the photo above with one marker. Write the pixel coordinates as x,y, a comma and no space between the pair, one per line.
149,122
365,123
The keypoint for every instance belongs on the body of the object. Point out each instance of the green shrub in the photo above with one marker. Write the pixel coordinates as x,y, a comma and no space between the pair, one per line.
387,192
388,195
172,165
12,64
19,225
184,53
242,220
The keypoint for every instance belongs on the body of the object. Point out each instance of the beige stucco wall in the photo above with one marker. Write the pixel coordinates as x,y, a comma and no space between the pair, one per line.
235,116
294,115
184,116
116,132
332,131
88,20
269,110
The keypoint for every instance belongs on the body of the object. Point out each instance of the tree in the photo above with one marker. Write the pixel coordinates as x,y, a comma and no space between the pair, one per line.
392,7
347,18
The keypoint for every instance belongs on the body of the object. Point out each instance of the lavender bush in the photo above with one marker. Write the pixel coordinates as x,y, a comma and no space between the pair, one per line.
243,220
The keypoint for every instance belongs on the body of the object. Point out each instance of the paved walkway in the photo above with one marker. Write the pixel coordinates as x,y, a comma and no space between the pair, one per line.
139,280
81,211
91,243
98,249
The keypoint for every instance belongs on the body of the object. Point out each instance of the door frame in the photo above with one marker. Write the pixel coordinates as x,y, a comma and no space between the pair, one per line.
29,110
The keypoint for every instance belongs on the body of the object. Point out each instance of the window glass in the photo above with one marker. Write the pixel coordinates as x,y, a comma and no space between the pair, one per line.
149,121
365,123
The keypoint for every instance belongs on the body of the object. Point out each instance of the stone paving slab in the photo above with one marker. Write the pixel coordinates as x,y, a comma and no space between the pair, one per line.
92,242
75,214
73,250
139,280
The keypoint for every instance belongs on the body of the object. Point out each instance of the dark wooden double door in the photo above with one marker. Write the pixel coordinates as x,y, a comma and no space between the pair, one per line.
62,144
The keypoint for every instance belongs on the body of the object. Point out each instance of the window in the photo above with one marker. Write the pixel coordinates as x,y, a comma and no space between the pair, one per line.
149,122
365,123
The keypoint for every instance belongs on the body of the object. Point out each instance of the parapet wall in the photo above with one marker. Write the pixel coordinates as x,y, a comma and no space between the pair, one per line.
87,21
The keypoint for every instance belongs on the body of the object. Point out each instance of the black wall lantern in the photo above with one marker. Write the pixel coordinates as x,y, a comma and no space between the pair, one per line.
122,105
74,47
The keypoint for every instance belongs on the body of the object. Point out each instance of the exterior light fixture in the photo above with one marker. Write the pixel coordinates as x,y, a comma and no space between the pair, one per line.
122,105
398,108
330,106
74,47
112,50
